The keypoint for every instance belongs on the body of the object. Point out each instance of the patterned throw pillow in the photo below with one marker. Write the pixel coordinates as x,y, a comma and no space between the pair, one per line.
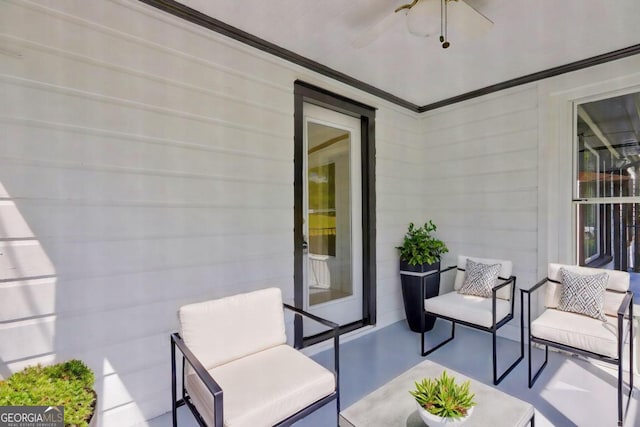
583,294
479,279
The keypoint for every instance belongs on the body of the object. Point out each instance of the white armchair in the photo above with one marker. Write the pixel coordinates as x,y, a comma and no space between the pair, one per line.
587,311
237,368
487,310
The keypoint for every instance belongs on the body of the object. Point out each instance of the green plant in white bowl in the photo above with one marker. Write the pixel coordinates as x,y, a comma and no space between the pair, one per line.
449,402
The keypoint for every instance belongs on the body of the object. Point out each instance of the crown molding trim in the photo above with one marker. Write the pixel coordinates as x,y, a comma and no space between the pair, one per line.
540,75
198,18
184,12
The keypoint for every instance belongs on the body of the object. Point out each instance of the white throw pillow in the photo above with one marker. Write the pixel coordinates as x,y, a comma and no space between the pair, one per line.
479,279
583,294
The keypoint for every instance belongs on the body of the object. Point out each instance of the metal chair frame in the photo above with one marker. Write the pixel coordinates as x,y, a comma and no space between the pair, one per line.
218,394
492,329
626,305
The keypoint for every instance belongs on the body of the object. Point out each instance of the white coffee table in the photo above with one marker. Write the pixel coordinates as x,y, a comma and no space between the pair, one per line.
391,405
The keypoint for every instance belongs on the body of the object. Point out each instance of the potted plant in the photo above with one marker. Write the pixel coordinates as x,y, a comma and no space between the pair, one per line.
442,402
419,267
68,384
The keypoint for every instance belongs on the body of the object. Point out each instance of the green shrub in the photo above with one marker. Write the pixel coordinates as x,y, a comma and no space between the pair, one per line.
443,397
69,384
420,247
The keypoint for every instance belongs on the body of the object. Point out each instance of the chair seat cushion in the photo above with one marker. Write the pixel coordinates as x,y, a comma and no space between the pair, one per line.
579,331
263,388
467,308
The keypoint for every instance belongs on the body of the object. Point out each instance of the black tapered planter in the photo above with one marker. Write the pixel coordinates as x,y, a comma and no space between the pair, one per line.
419,282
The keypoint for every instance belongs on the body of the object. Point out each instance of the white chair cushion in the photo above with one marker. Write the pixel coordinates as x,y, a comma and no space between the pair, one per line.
578,331
506,268
468,308
263,388
226,329
612,301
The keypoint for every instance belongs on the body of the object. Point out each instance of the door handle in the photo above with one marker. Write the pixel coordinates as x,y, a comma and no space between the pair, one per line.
305,246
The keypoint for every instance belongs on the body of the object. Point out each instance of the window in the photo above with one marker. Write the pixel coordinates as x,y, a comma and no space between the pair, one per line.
606,190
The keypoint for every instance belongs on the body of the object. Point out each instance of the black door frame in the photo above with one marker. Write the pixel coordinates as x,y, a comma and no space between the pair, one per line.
305,92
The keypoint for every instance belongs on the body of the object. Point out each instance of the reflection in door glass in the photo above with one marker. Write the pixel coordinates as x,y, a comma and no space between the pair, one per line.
329,219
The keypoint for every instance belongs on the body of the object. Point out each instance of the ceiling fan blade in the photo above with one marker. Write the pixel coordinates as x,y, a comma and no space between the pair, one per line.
466,20
375,30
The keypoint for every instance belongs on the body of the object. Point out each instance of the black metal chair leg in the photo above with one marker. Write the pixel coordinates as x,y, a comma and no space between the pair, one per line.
546,359
174,409
623,412
631,338
453,333
620,373
497,380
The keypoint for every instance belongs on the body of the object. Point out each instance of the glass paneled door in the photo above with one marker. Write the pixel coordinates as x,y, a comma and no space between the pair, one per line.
332,212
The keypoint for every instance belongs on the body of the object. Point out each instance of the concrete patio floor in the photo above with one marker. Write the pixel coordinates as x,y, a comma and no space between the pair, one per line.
570,391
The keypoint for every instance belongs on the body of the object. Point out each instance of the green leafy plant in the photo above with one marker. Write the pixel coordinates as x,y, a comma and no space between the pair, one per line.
69,384
420,247
443,397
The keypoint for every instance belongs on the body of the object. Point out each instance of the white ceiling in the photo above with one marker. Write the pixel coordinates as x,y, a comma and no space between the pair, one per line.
527,36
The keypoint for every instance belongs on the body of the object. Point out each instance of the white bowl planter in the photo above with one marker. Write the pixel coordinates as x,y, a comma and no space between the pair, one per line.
436,421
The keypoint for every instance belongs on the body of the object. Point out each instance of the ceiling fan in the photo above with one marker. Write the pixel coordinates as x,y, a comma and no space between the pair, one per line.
425,18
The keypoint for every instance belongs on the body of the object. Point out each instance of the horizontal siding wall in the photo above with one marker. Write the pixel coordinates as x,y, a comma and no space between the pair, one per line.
398,198
146,163
481,176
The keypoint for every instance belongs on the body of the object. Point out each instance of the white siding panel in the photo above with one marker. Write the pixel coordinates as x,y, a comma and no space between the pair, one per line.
506,123
72,106
397,152
29,298
486,164
221,139
510,201
50,219
506,239
490,220
399,178
406,170
40,181
24,258
485,182
71,296
488,146
480,109
12,223
113,33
